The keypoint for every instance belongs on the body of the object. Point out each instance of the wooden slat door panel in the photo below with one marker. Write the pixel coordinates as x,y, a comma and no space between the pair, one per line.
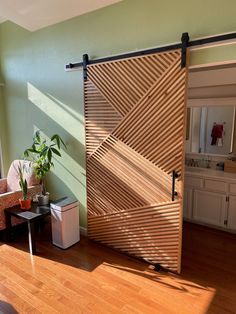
135,116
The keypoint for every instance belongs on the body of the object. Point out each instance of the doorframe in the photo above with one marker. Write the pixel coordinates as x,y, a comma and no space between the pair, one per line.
226,101
207,43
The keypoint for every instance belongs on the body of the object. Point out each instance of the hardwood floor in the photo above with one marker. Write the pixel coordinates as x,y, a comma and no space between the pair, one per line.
89,278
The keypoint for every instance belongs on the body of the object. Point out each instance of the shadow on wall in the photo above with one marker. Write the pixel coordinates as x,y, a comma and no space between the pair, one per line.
68,176
65,117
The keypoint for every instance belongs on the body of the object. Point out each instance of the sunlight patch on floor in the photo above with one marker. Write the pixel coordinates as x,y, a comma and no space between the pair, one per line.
168,282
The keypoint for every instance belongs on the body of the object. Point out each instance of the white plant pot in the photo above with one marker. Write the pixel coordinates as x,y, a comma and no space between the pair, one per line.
43,199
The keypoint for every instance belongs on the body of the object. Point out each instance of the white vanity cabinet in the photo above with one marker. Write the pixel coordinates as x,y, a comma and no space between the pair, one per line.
188,199
209,207
210,198
231,223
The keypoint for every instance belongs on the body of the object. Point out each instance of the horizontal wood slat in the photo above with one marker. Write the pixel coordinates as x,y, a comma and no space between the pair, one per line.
134,112
154,245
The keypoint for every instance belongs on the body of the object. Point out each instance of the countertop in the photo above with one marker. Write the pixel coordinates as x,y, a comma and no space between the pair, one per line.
209,173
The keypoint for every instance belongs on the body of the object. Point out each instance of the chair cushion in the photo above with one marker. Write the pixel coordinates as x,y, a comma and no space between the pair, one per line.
3,185
13,175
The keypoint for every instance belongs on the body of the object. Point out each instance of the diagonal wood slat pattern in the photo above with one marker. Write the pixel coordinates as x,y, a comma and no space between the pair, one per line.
134,181
131,78
135,113
157,134
156,242
100,117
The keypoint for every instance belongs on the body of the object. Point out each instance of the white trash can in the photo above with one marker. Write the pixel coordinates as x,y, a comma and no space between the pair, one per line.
65,222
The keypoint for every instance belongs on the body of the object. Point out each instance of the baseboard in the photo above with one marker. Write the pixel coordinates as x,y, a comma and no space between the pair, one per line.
83,231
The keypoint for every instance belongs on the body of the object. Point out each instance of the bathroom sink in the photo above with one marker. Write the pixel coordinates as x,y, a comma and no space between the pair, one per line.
208,172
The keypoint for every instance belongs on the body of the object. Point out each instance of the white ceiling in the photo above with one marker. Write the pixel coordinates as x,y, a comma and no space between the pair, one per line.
36,14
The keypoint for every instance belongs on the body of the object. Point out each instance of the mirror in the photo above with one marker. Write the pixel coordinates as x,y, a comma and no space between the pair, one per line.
210,130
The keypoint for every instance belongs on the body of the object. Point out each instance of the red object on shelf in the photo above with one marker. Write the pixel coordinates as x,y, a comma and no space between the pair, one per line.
25,204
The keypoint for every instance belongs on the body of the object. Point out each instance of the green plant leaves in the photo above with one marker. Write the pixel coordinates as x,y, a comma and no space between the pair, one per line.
26,153
58,140
49,155
22,182
36,137
56,151
42,151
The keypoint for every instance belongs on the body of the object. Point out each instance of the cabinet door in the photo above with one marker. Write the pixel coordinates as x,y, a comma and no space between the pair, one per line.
209,207
188,204
232,213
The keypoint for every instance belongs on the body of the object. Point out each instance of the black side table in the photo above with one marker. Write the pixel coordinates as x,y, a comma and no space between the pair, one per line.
32,215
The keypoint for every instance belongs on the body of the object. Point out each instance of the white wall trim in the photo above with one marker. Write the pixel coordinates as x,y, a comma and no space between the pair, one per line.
200,102
84,231
212,64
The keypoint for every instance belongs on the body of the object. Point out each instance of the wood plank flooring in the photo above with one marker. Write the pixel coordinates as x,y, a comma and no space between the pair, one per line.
89,278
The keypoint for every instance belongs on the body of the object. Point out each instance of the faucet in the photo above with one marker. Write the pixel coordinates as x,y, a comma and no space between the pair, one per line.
194,163
208,162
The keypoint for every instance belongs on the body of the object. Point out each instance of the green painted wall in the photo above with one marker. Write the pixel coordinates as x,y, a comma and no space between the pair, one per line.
40,94
3,129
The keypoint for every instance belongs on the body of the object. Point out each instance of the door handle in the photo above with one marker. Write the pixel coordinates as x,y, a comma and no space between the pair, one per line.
174,176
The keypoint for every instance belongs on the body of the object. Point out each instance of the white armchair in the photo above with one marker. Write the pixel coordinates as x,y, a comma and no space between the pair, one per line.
10,192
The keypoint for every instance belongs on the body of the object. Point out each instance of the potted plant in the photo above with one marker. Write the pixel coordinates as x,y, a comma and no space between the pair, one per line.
41,154
25,202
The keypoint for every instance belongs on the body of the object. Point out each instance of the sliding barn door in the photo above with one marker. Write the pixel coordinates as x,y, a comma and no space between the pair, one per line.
135,116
